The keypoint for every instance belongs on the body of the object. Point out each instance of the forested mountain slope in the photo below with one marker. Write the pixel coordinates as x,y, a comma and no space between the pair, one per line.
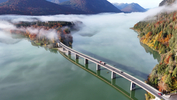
160,33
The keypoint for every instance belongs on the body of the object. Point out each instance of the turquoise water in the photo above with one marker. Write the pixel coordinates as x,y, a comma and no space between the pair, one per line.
28,72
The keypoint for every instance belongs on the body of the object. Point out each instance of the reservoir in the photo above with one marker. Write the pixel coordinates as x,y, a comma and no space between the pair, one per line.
29,72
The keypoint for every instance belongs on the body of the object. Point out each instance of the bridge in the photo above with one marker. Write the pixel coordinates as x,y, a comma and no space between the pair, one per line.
97,74
114,71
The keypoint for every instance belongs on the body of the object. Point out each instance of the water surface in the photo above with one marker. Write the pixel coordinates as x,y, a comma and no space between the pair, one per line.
28,72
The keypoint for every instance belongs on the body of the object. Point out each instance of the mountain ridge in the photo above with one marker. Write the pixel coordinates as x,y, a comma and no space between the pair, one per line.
35,7
43,7
3,1
92,6
57,1
129,7
166,2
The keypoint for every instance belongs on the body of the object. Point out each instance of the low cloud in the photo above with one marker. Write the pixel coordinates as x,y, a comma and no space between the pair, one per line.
92,24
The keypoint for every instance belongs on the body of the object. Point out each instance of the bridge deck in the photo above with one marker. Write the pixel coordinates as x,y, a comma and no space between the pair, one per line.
136,81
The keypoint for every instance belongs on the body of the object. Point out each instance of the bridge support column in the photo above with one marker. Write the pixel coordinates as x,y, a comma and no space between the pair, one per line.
132,86
76,57
113,75
69,53
98,67
64,49
113,81
98,72
132,94
86,66
85,61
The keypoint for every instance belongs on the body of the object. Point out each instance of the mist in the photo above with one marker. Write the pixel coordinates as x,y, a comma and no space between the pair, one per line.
92,24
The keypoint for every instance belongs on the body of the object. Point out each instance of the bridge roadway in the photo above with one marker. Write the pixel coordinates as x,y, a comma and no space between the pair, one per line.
132,79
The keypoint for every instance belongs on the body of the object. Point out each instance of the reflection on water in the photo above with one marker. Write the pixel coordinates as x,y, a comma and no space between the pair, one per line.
112,83
7,39
155,54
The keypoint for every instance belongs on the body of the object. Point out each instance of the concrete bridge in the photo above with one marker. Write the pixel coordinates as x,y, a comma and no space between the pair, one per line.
114,71
97,74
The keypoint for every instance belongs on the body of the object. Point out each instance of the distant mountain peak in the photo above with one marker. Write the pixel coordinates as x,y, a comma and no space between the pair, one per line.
129,7
57,1
92,6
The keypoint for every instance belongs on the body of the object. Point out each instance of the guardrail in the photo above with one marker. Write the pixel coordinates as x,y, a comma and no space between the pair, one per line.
125,75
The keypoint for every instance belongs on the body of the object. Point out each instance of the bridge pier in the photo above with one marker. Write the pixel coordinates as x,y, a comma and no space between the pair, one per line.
113,81
113,75
69,52
98,67
132,86
85,61
76,57
86,66
132,94
98,72
64,49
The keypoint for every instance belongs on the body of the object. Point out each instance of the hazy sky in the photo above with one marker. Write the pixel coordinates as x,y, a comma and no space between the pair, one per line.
143,3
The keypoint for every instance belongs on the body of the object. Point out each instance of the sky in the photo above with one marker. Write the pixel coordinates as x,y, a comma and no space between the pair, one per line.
143,3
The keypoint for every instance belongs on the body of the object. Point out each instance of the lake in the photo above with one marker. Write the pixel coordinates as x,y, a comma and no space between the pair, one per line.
29,72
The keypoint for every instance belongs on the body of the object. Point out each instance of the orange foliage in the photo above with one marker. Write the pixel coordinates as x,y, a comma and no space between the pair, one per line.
32,36
175,27
162,86
166,60
174,16
148,34
165,40
157,24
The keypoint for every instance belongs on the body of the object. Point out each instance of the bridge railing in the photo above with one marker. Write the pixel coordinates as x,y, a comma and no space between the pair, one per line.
113,69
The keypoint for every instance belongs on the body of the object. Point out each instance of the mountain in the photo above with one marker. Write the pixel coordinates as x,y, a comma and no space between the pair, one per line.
1,1
35,7
159,32
57,1
92,6
120,5
166,2
132,7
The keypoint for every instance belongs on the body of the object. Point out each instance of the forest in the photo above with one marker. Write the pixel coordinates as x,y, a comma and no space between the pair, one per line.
160,34
38,32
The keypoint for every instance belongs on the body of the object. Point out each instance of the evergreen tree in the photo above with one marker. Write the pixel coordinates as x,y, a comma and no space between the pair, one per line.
175,72
168,80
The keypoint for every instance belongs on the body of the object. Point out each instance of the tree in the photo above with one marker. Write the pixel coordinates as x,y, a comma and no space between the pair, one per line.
175,72
169,80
